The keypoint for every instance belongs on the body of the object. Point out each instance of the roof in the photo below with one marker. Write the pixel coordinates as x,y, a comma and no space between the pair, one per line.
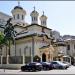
30,34
43,16
37,25
5,14
18,7
45,47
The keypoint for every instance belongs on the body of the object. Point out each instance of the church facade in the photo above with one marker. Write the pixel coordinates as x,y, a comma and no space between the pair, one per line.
32,40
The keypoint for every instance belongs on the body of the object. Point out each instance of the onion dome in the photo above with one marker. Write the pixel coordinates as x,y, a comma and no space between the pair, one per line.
43,16
34,16
18,7
43,19
34,12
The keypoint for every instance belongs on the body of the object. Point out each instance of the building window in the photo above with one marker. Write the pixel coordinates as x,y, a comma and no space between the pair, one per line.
22,17
44,22
74,46
51,33
32,19
36,18
68,47
14,16
17,16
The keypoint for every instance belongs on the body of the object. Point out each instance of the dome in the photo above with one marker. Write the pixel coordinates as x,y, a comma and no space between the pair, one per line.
34,12
43,16
18,7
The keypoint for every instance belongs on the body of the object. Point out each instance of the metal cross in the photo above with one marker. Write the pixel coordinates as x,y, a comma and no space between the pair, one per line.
18,3
43,12
34,8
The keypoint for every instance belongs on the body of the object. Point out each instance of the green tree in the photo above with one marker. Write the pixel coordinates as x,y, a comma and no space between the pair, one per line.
2,40
9,33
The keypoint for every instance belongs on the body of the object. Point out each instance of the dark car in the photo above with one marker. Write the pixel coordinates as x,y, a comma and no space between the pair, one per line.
34,66
58,65
47,66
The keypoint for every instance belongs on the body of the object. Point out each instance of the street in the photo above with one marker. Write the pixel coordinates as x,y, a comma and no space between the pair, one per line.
70,70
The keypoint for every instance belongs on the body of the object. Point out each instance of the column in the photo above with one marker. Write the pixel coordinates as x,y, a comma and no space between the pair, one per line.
23,59
70,60
31,58
7,59
2,59
41,57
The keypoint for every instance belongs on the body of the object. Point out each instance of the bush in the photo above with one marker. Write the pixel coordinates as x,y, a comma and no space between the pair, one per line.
36,58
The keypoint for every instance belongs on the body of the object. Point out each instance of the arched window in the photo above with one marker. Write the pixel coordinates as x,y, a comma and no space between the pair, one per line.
44,22
22,17
17,16
14,16
32,19
36,18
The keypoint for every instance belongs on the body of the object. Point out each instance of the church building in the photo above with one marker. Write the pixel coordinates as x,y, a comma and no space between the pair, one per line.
32,40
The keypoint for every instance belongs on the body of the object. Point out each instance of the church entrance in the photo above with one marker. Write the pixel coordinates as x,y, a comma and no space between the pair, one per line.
43,57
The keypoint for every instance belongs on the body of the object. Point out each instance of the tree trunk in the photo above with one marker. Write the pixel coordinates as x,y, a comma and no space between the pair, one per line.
6,51
15,47
9,48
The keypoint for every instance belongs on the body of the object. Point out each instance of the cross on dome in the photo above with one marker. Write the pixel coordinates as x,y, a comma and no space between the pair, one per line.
34,8
43,12
18,3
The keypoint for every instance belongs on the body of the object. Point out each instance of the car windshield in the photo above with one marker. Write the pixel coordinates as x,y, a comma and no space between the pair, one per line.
32,63
58,62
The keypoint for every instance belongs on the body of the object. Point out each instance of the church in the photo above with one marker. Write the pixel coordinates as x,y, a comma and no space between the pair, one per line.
32,42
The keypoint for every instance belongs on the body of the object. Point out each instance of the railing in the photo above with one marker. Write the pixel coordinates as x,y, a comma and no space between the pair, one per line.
14,59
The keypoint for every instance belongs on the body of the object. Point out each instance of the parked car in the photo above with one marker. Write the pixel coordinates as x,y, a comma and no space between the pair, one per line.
34,66
67,63
58,65
47,66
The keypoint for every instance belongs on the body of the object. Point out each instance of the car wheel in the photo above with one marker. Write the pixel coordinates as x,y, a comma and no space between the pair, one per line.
33,69
44,68
39,69
60,67
22,69
47,68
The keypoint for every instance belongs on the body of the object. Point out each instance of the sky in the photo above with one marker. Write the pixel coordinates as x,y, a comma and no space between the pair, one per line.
61,14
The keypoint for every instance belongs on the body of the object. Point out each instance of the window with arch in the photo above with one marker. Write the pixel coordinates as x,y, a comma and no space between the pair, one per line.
17,16
32,19
68,47
14,16
22,17
36,18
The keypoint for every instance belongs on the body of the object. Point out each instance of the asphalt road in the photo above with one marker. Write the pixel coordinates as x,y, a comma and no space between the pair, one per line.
70,71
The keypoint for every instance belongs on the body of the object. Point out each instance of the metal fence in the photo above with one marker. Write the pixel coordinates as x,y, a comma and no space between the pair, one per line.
14,59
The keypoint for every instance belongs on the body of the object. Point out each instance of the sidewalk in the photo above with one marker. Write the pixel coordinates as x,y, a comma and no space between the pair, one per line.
69,71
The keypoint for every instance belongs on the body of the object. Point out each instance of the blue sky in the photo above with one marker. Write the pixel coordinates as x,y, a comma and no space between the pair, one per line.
61,14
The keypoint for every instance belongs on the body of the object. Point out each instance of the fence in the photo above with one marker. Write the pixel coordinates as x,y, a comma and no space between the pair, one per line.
15,59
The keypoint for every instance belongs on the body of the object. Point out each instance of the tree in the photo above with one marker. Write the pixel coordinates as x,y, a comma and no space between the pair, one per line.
36,58
2,41
9,33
